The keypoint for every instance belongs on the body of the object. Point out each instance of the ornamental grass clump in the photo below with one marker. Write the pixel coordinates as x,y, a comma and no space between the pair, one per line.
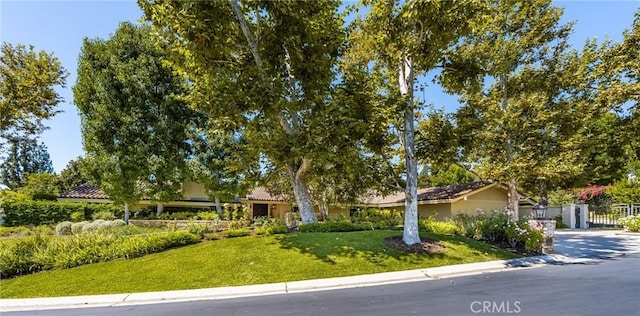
64,228
77,228
43,252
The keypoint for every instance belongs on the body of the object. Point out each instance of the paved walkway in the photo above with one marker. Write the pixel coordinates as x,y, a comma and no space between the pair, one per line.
572,246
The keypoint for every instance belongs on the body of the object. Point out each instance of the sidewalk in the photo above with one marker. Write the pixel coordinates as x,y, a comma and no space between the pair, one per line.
7,305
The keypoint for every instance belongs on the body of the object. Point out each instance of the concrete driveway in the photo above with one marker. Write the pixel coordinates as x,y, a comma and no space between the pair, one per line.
595,243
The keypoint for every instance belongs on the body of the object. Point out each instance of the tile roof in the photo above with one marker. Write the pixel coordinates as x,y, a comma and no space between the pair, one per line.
261,194
85,191
448,192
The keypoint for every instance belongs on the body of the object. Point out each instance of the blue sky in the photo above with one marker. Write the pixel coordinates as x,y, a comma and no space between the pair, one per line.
60,26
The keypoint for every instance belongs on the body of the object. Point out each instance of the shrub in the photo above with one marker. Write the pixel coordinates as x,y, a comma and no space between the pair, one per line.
23,213
271,230
239,224
334,226
178,216
77,216
235,212
43,230
211,236
261,221
631,223
118,222
231,233
14,231
106,215
439,227
91,226
380,218
64,228
208,216
197,229
77,228
38,252
468,226
559,223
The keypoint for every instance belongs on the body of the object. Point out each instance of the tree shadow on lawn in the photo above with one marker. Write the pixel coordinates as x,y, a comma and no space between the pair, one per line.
370,247
327,246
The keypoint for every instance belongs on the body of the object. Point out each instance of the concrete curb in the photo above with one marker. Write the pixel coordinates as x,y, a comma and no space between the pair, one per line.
7,305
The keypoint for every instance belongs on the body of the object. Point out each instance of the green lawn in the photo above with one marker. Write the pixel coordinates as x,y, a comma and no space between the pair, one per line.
248,260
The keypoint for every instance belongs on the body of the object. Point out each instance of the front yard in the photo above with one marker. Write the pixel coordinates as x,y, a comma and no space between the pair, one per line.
249,260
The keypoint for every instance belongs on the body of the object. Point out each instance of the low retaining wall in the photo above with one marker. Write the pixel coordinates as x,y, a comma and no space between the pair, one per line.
178,223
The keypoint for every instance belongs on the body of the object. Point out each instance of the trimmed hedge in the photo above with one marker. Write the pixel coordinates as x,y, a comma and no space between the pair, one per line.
331,227
50,212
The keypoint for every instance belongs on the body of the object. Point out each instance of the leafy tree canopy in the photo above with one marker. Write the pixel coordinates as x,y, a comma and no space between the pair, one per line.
27,82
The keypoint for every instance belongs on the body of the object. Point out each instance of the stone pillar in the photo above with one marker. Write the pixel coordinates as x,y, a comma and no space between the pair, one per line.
568,215
584,215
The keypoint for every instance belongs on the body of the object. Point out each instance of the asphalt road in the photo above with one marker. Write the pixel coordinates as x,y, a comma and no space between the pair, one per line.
605,287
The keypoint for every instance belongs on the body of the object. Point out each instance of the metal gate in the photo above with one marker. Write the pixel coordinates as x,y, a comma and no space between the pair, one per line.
609,216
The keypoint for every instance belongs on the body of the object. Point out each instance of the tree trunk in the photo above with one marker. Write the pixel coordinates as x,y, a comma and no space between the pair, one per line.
324,206
410,235
218,206
543,193
301,192
159,208
513,197
126,213
296,174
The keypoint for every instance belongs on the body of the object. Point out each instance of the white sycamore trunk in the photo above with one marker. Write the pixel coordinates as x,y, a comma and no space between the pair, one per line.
159,208
513,197
410,235
126,213
218,206
301,192
296,174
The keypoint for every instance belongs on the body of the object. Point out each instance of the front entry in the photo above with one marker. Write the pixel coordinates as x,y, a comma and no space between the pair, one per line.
260,210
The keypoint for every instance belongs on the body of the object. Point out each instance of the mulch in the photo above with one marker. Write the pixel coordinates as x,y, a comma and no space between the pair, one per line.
426,245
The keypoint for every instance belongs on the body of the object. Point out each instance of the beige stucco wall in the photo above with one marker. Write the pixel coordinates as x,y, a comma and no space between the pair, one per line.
487,200
336,211
191,189
441,211
278,210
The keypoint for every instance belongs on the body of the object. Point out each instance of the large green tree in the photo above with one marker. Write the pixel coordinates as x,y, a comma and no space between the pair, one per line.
72,175
522,106
219,164
134,128
27,88
621,67
25,156
270,67
41,186
404,40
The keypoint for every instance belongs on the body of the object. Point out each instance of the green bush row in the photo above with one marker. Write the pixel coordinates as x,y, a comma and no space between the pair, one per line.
231,233
271,230
333,226
379,218
23,213
43,252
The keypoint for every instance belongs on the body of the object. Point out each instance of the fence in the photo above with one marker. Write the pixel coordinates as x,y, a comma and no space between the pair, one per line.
609,216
